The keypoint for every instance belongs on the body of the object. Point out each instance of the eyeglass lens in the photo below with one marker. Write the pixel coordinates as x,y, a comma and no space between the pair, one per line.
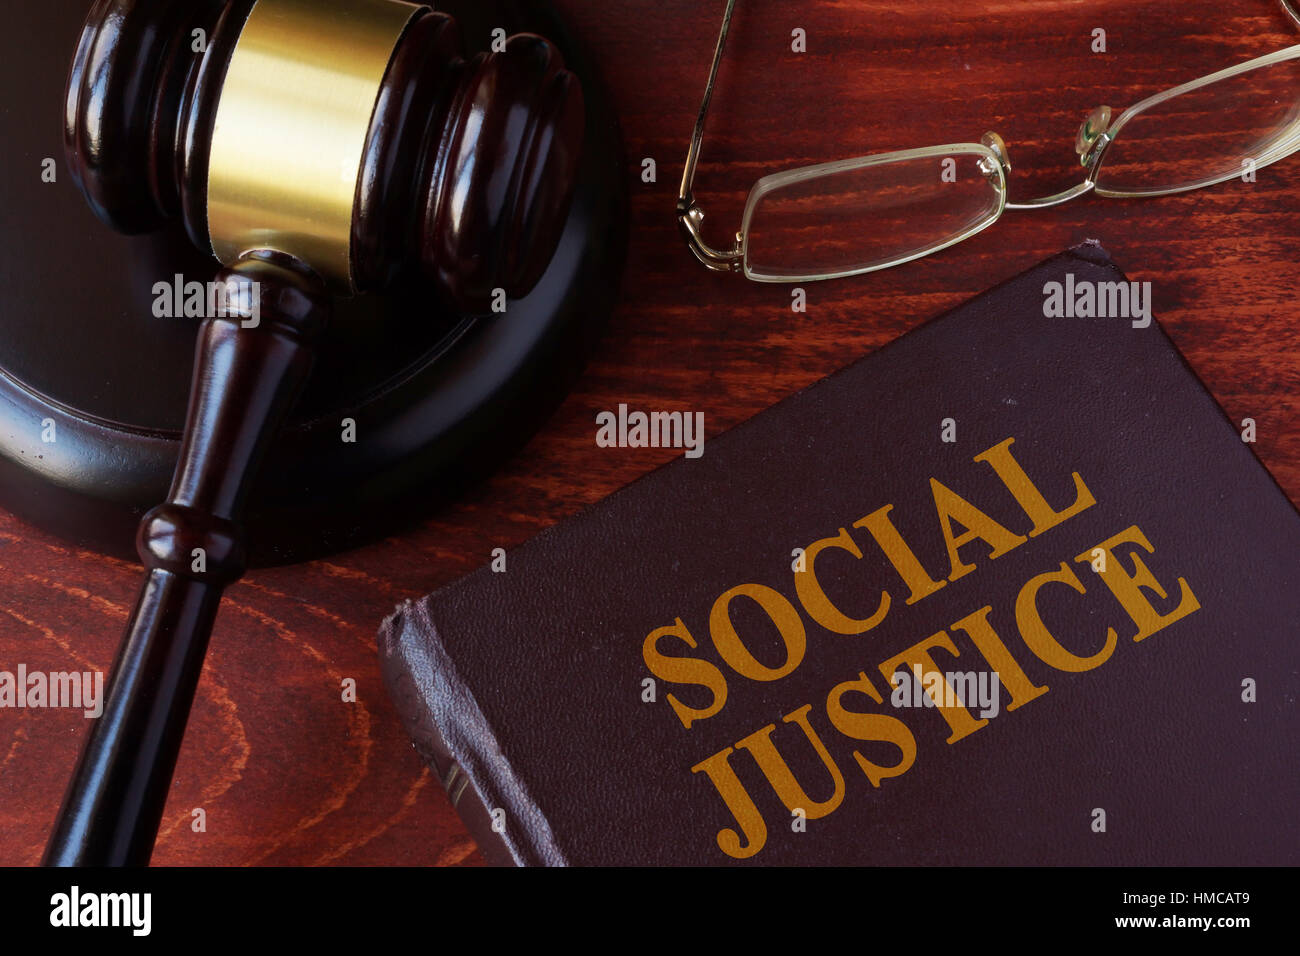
1206,135
864,214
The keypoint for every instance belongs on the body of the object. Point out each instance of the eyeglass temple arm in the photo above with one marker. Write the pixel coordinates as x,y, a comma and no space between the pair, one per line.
689,215
1092,159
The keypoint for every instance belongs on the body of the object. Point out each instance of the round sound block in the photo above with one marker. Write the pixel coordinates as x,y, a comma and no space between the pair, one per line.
407,402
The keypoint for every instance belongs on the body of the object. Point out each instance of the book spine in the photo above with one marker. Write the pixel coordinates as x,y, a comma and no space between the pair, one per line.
452,737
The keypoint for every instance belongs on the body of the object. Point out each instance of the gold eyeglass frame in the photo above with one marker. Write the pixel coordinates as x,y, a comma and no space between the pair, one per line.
1095,134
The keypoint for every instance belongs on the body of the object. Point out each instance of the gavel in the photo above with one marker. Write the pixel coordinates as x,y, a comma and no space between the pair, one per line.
316,148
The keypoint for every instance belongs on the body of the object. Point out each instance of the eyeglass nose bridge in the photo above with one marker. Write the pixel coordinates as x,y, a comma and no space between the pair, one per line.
1090,143
1093,136
993,142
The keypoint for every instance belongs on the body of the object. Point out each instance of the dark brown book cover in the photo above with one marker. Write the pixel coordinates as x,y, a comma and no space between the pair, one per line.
1042,527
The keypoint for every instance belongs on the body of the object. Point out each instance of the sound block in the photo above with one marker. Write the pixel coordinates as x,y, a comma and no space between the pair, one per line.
407,403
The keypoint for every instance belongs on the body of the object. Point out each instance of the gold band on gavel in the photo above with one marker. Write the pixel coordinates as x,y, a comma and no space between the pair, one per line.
291,128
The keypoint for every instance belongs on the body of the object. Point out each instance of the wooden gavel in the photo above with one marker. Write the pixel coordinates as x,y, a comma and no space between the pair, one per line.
316,148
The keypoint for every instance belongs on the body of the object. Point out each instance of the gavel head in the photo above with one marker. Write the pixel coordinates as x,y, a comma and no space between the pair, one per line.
350,135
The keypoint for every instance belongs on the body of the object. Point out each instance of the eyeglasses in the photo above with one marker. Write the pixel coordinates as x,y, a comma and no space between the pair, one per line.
859,215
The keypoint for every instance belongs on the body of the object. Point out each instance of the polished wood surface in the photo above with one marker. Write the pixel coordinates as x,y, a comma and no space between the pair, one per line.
287,771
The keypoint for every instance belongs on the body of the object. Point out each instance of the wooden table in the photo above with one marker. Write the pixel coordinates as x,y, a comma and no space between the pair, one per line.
289,773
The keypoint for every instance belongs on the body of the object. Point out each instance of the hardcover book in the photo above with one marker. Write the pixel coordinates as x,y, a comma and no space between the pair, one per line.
1010,590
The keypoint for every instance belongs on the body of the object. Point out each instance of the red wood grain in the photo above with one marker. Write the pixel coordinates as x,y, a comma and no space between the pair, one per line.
287,772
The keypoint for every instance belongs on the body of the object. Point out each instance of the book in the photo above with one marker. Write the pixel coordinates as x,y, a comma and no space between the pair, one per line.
1010,590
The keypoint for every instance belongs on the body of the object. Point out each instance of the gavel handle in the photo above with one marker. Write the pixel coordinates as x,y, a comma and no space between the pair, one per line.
246,379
